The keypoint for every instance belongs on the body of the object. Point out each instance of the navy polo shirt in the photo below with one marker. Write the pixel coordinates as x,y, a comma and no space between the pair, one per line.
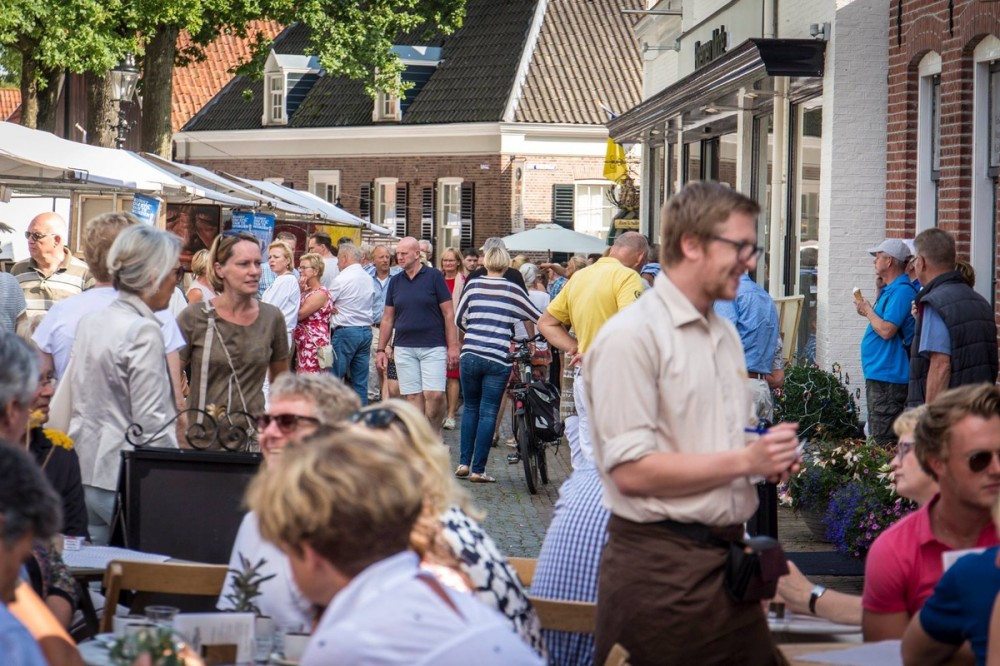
416,304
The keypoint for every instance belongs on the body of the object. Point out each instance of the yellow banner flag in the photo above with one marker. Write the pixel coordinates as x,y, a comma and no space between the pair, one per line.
614,162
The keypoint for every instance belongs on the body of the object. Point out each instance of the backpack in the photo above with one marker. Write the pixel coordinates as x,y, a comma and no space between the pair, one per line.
543,399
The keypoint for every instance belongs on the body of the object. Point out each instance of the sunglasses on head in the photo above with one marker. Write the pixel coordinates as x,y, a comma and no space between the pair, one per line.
980,460
285,422
375,418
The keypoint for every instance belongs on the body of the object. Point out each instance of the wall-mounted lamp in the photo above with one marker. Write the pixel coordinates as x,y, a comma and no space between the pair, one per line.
819,31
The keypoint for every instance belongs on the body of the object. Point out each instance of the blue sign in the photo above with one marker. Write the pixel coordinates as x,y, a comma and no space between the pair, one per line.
261,225
146,208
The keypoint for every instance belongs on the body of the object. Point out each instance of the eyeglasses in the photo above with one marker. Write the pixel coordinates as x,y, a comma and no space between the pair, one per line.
902,448
34,236
980,460
744,251
285,422
375,418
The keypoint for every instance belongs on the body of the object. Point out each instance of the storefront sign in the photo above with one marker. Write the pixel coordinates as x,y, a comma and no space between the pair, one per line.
261,225
706,52
146,208
627,225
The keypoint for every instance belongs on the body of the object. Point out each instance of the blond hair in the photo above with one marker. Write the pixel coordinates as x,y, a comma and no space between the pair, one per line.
907,421
351,493
282,246
698,210
199,263
98,235
496,259
933,432
314,261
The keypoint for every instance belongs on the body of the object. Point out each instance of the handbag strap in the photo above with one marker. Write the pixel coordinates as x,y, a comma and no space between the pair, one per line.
211,331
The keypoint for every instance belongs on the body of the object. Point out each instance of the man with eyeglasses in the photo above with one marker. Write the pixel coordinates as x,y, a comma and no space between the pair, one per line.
51,273
885,346
957,442
955,340
594,295
670,408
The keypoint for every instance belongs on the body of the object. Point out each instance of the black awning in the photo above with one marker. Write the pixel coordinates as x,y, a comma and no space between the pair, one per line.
753,59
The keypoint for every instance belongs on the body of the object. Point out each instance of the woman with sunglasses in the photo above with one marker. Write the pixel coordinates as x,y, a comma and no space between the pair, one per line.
117,374
234,340
299,405
911,482
451,543
312,333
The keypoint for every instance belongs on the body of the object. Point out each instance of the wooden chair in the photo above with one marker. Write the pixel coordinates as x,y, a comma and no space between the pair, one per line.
165,578
576,616
525,568
617,657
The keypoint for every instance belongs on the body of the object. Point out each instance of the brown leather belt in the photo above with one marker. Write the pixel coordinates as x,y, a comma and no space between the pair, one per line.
757,375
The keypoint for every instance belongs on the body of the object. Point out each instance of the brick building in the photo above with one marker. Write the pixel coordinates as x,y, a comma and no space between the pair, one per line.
502,129
944,126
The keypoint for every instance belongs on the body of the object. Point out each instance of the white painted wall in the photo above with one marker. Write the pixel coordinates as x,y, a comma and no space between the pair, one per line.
794,17
852,191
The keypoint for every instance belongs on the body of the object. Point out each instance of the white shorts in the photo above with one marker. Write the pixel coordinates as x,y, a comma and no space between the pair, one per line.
421,369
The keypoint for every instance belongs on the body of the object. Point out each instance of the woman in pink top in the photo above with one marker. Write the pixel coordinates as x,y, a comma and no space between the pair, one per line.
312,333
451,265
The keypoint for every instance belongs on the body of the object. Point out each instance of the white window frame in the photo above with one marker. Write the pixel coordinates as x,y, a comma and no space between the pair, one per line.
324,183
608,209
274,99
384,202
449,204
927,186
387,108
983,239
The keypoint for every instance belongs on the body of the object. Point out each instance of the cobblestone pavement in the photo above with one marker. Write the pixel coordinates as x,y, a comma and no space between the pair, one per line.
515,518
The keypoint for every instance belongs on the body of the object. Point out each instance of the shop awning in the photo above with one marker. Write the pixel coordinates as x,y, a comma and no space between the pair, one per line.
324,209
752,60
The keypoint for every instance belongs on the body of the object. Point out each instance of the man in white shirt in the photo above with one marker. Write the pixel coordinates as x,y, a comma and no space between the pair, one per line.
320,243
353,295
347,542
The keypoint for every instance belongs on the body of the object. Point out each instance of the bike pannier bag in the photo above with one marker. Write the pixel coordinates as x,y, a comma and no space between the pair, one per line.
543,399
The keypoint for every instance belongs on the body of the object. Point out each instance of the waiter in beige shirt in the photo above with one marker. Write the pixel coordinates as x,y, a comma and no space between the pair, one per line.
669,405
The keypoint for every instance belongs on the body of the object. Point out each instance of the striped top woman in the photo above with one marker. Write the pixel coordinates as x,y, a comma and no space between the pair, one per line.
486,314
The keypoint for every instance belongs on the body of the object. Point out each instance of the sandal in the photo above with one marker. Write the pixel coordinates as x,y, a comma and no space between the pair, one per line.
511,443
462,471
482,478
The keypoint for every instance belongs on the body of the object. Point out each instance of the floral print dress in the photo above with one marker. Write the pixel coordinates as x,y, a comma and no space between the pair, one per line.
312,334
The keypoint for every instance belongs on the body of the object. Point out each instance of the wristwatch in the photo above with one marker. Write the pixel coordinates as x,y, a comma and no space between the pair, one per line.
814,596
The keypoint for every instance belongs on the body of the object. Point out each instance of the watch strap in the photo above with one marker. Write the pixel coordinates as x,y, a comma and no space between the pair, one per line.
814,596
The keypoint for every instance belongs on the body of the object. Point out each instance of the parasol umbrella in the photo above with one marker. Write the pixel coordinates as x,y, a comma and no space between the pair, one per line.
554,238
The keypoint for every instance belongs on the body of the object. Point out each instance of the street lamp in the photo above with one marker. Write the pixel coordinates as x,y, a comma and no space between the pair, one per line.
123,78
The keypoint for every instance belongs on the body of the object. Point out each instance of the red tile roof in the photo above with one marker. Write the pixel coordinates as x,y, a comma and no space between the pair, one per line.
10,99
199,82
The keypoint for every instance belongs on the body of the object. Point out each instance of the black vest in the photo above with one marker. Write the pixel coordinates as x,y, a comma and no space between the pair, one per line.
972,326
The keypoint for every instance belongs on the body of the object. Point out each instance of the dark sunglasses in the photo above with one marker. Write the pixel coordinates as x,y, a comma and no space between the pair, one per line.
980,460
375,418
35,236
285,422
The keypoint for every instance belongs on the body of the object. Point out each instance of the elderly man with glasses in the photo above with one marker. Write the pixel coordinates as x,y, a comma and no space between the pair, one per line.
299,405
957,443
52,273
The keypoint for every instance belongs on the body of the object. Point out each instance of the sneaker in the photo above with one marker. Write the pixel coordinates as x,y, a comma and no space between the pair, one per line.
449,423
513,458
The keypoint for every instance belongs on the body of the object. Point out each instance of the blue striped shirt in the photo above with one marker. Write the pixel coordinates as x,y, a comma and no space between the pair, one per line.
486,314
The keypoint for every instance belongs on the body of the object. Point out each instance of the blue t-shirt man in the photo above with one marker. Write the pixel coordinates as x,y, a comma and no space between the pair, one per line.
960,608
17,646
416,303
889,360
756,320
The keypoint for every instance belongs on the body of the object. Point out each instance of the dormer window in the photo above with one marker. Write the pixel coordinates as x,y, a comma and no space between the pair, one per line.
387,108
287,81
419,62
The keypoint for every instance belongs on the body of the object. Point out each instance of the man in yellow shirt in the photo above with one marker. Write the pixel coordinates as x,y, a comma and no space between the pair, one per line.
594,295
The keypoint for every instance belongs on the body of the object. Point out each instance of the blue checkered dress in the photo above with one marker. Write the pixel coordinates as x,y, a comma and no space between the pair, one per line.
567,565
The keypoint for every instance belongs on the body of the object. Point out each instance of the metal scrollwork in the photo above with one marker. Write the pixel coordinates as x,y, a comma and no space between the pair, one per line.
204,431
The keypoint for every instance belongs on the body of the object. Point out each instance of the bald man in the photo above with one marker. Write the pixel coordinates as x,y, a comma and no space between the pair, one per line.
52,273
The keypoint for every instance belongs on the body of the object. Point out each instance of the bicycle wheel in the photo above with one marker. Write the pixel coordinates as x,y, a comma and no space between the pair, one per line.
525,446
542,462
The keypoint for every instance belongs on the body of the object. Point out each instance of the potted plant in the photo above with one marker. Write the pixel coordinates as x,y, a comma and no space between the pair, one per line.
861,510
819,401
246,586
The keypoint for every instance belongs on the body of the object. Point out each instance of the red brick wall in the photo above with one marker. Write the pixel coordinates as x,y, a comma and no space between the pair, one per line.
493,186
917,27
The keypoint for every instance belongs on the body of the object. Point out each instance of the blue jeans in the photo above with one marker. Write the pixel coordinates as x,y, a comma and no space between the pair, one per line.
483,384
352,345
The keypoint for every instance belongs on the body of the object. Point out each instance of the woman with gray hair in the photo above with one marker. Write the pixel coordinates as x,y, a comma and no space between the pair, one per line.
117,373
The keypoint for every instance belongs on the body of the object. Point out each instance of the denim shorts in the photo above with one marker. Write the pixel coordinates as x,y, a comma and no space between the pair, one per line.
421,369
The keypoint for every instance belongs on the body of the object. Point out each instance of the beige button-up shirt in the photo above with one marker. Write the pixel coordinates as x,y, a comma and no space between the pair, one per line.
663,378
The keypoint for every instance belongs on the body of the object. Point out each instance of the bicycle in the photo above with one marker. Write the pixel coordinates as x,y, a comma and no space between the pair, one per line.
529,446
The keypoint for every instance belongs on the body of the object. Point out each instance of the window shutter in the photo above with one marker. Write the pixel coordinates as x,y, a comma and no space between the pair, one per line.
427,213
468,209
401,210
562,205
365,202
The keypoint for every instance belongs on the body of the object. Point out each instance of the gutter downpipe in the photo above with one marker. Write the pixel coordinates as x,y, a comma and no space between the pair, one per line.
779,179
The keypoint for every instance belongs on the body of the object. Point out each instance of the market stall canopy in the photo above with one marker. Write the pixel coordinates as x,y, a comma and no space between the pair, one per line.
554,238
325,209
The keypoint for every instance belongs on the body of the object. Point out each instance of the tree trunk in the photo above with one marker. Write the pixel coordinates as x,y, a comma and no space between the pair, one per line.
158,71
48,99
29,86
102,112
